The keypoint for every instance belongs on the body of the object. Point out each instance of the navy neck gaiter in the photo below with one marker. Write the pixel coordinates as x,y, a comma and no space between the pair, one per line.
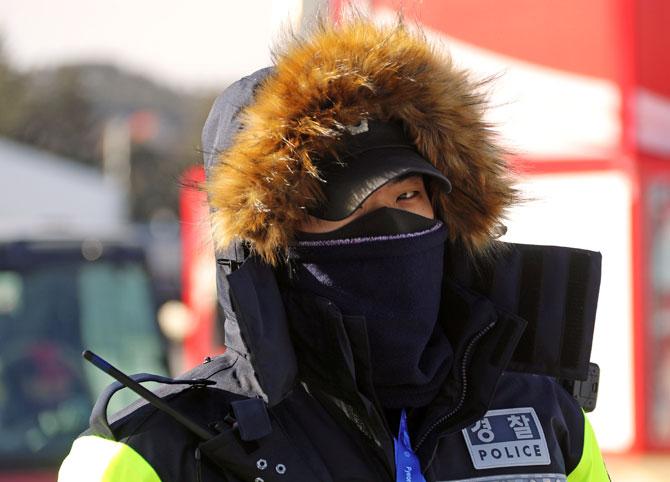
394,282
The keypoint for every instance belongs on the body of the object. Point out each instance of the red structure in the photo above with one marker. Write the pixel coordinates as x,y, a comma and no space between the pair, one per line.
583,99
198,269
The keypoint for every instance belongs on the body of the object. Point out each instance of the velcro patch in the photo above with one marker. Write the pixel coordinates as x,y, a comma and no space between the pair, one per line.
502,438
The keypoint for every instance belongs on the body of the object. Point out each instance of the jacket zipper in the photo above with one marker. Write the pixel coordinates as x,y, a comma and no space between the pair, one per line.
389,436
464,379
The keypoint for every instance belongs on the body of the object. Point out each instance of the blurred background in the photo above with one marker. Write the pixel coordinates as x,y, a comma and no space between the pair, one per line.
103,231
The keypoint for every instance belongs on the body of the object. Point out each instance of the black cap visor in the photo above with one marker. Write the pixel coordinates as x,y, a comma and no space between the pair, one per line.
350,182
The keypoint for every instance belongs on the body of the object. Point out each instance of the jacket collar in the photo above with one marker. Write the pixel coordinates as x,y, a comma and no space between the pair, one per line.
333,349
332,353
256,326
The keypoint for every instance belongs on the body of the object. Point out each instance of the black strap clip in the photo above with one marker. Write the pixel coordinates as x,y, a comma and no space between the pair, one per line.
252,418
585,391
230,264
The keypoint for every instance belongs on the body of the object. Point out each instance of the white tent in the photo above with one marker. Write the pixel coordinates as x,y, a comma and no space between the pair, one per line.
43,195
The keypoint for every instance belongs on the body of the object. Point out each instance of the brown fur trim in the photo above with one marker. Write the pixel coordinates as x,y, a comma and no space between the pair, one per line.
338,75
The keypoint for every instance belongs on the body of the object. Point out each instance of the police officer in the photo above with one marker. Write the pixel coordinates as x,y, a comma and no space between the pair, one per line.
376,331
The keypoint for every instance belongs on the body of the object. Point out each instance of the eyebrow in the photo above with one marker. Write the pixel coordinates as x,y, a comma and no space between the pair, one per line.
404,177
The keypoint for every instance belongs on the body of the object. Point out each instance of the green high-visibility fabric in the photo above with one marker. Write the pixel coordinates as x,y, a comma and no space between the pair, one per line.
96,459
591,467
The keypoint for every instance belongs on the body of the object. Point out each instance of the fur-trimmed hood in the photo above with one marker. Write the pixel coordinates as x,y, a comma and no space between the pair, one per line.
265,134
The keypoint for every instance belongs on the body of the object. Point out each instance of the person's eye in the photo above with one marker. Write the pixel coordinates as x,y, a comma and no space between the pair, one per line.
407,195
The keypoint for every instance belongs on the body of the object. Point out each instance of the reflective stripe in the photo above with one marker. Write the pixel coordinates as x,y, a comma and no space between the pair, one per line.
515,478
591,467
95,459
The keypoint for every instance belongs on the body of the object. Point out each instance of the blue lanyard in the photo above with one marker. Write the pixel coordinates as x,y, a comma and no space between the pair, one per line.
408,468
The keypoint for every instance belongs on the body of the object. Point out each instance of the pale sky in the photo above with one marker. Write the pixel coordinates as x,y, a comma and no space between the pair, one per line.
196,44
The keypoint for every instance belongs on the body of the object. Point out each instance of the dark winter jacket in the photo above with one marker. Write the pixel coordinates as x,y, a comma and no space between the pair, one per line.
300,406
277,412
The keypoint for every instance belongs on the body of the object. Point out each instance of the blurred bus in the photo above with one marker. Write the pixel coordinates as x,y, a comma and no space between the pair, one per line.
56,299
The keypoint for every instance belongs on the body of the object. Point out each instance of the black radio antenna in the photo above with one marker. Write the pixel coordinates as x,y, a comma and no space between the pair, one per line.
150,397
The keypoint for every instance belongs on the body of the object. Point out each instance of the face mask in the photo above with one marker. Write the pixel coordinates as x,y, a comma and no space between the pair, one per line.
380,222
394,281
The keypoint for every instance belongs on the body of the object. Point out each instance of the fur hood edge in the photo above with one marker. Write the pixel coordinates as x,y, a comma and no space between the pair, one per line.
264,181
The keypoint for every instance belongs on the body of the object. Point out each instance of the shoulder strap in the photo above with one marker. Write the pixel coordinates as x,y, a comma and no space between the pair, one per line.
99,424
